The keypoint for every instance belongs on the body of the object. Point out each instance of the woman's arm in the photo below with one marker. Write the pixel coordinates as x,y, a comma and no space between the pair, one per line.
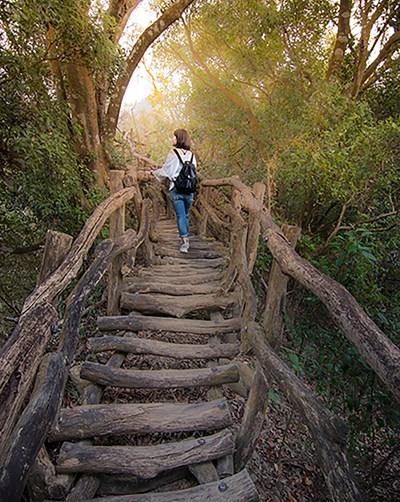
169,169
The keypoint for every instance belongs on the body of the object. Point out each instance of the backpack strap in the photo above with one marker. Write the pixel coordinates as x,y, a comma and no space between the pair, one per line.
180,158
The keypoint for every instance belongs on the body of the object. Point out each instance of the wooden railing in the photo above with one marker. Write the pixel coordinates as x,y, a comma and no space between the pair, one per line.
246,212
239,218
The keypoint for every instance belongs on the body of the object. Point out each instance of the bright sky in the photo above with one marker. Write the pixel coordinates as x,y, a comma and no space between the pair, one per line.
140,85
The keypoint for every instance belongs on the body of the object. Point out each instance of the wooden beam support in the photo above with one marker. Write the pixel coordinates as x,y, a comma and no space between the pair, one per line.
276,295
117,228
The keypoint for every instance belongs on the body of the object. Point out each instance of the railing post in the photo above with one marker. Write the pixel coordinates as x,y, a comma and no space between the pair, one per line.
55,250
203,213
117,228
253,420
254,228
276,294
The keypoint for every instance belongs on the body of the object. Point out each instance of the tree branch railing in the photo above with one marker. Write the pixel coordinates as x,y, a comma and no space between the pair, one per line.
328,431
20,442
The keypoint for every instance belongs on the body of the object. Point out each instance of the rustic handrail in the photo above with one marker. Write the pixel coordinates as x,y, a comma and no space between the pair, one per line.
380,353
328,431
16,467
17,363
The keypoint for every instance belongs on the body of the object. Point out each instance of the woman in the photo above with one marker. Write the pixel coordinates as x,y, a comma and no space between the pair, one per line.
170,169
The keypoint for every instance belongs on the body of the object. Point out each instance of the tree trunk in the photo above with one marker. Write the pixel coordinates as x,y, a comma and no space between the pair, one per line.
83,105
342,38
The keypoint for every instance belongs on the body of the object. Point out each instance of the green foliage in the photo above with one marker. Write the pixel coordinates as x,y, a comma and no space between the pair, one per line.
40,177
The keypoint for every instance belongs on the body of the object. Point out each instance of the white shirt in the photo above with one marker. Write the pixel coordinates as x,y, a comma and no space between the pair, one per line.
171,167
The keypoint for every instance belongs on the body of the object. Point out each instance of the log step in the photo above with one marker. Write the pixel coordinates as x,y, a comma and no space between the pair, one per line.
153,303
144,461
166,288
198,263
115,419
159,379
183,276
169,324
237,488
196,243
134,345
193,254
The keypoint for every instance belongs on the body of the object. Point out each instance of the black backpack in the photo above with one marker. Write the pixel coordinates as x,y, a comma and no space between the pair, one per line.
185,183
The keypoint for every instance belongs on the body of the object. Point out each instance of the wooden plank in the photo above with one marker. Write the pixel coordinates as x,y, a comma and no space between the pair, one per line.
196,243
144,461
87,485
143,323
182,277
195,263
193,254
237,488
136,345
124,485
154,303
159,379
167,288
115,419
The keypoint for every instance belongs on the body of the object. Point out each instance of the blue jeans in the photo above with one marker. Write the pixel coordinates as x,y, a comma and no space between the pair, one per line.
181,203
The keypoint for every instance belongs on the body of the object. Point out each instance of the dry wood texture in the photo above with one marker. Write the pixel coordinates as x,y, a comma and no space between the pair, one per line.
117,228
199,263
143,461
123,485
276,294
237,488
70,266
252,422
159,379
142,323
31,429
115,419
56,247
167,288
135,345
19,361
168,305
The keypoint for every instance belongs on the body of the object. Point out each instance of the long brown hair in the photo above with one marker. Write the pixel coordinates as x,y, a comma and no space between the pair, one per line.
182,139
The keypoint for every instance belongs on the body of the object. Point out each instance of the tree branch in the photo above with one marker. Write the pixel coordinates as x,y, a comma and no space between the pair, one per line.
386,52
173,13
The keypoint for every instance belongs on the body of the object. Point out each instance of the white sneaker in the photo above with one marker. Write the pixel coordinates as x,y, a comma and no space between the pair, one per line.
184,247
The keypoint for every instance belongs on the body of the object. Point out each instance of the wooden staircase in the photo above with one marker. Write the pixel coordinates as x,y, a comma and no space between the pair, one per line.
154,415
